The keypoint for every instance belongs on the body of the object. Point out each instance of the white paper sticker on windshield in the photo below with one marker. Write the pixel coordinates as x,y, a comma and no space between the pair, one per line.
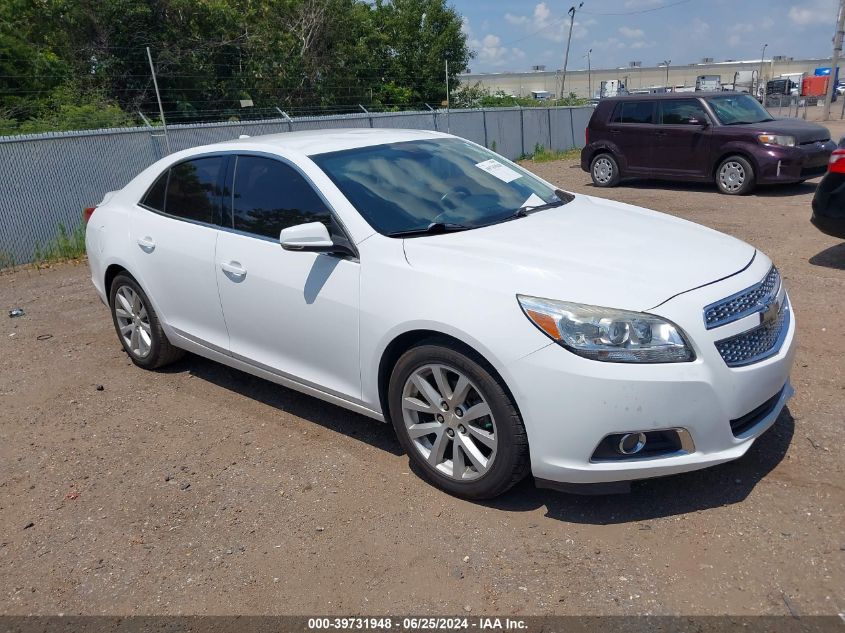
495,168
533,201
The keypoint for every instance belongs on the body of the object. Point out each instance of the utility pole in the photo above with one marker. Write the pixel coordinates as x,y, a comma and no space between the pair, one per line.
589,75
448,101
158,97
568,41
666,63
761,92
837,50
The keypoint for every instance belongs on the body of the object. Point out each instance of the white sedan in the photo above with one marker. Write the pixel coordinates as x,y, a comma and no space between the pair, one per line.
502,325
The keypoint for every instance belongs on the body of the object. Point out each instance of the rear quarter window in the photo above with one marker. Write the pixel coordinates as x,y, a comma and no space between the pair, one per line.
154,198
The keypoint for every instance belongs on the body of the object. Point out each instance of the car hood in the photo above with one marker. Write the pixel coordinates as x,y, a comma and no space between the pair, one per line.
590,250
803,131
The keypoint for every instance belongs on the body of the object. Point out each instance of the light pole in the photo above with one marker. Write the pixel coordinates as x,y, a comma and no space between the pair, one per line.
568,41
760,89
666,63
837,51
589,75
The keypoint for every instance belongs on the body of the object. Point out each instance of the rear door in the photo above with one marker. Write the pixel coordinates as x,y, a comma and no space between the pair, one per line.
631,130
292,313
681,139
174,237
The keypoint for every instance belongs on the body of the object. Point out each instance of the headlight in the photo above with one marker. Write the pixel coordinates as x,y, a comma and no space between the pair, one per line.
606,334
777,139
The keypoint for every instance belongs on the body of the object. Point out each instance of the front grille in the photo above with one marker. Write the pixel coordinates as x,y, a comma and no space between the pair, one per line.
752,418
749,301
756,344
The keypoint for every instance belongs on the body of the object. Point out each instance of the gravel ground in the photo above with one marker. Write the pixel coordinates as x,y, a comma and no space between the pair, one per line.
202,490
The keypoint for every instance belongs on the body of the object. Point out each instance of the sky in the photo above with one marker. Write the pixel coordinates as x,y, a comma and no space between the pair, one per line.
513,35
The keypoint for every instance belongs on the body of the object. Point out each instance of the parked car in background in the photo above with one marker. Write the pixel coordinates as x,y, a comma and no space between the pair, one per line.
722,137
829,201
502,325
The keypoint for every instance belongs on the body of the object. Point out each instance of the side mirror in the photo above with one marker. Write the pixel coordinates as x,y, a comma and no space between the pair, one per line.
312,237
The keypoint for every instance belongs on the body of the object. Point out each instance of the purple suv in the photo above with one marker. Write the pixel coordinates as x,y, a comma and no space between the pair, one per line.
701,137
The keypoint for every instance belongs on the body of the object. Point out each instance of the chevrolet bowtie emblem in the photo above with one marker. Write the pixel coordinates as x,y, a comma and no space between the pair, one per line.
770,311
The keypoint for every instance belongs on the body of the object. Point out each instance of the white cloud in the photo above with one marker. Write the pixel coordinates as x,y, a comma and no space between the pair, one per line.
488,49
631,34
700,28
542,23
813,13
609,43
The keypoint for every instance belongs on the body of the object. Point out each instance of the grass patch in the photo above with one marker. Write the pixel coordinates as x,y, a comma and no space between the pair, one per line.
65,245
7,260
543,155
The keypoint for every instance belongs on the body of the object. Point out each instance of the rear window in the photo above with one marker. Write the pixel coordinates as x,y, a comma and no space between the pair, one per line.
634,112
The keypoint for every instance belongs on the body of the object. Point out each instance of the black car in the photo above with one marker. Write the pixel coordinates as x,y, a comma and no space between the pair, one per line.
829,201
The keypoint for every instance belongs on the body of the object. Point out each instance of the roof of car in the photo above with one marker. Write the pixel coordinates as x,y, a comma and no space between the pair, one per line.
671,95
311,142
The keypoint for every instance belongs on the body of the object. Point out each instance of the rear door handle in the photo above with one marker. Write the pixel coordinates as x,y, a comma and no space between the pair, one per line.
233,269
147,243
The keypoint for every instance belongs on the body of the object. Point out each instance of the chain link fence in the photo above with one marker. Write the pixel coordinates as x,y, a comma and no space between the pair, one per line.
48,179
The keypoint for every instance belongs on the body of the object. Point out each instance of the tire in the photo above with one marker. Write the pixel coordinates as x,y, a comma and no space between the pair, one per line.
604,170
138,328
735,176
492,448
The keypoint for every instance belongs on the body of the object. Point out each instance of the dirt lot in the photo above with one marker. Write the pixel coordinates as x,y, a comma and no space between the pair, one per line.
203,490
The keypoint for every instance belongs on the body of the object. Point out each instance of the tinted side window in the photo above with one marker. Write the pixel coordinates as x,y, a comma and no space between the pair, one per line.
681,112
634,112
193,191
154,198
270,196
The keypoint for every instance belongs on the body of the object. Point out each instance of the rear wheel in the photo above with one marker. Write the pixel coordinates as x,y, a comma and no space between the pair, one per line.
457,423
604,171
138,327
735,176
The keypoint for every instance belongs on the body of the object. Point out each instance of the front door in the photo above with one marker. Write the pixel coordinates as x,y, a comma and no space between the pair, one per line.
293,313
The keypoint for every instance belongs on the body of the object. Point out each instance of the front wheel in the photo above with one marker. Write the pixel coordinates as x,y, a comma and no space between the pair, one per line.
735,176
457,422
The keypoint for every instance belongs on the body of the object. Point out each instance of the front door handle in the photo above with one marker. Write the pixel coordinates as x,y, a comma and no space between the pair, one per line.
233,269
147,243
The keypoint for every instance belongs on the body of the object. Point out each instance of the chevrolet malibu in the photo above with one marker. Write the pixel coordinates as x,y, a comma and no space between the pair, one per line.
503,326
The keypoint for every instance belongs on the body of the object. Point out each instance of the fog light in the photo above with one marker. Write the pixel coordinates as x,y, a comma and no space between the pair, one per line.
631,443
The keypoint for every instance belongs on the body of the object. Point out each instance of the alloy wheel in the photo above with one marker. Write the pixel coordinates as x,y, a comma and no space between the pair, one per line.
449,422
133,322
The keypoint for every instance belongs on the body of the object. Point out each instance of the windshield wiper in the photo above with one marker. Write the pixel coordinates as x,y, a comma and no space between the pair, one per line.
432,229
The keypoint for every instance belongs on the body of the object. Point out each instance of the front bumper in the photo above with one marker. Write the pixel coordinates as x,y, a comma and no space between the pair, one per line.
792,164
569,404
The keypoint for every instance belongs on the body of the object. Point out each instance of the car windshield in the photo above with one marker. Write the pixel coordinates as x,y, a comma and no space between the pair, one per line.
735,109
445,184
